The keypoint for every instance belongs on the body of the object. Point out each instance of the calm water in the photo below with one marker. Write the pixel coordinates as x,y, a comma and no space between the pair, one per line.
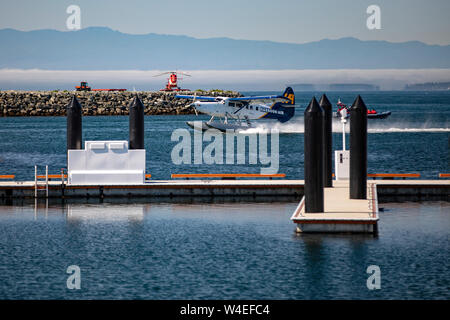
218,251
415,138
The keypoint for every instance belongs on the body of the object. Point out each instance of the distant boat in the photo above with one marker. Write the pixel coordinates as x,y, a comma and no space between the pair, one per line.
371,113
378,115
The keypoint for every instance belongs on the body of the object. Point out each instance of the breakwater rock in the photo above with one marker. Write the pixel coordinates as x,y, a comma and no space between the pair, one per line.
53,103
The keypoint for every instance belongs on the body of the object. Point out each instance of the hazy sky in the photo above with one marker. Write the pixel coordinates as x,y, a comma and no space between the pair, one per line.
245,80
282,20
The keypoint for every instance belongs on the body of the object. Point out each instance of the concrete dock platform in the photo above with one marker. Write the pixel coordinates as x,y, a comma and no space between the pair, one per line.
341,214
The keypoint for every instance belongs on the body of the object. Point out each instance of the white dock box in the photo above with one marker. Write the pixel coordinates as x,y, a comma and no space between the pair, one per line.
342,164
106,163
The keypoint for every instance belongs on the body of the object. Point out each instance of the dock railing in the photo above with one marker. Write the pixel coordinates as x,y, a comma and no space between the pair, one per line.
393,175
7,176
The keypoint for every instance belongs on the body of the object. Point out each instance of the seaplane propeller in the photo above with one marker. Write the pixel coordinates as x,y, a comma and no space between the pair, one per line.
193,104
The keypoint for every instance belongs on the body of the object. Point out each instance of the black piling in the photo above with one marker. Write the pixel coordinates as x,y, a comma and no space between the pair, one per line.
136,124
327,141
358,150
313,150
74,124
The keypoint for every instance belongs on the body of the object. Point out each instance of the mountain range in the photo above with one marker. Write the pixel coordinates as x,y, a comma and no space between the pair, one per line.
100,48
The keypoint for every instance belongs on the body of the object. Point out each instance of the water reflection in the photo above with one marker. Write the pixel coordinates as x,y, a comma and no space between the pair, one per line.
106,212
328,260
216,251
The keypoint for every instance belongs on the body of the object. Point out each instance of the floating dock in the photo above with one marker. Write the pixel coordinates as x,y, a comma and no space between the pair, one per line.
387,190
160,188
341,214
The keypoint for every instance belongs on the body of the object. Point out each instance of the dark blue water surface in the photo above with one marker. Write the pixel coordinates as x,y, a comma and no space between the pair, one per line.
218,251
415,138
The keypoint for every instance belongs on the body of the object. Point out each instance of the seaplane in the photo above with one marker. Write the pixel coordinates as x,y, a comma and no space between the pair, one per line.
236,114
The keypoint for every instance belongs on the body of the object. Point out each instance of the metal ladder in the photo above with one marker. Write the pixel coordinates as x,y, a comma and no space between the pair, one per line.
40,185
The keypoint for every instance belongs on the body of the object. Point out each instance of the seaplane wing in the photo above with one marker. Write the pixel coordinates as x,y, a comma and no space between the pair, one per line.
262,99
198,98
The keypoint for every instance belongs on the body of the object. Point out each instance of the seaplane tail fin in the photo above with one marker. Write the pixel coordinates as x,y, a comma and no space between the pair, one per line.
287,109
289,93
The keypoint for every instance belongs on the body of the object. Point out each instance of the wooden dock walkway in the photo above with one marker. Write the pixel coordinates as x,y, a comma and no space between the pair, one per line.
341,214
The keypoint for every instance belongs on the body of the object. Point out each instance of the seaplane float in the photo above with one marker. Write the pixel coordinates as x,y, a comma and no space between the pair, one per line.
237,114
371,113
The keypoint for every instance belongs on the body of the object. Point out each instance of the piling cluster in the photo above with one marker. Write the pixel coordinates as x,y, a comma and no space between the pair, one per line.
318,152
53,103
74,111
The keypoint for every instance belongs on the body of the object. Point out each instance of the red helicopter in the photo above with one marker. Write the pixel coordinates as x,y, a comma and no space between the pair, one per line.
172,81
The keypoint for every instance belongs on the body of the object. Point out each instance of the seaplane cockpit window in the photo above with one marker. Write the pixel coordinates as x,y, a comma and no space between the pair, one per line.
231,104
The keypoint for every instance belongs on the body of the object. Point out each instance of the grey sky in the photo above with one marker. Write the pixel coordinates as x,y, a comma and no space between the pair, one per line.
282,20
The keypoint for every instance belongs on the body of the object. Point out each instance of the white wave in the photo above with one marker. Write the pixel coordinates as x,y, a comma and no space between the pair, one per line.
298,127
294,127
383,130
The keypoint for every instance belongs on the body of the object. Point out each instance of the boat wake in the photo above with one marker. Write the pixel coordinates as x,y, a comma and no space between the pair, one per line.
298,127
384,130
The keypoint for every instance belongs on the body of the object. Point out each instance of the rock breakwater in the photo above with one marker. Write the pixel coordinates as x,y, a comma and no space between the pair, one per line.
96,103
